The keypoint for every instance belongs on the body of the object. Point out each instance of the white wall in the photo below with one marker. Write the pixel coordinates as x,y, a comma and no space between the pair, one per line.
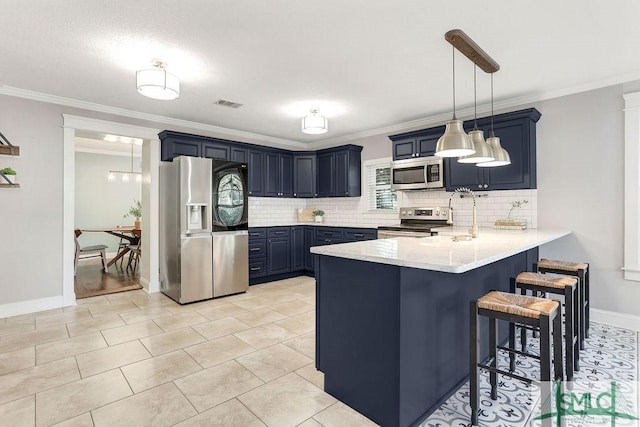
100,203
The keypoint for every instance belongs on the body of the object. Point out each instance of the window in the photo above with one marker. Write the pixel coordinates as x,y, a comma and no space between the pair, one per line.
380,196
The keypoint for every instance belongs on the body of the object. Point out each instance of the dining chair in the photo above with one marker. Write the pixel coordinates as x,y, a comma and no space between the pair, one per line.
87,252
134,252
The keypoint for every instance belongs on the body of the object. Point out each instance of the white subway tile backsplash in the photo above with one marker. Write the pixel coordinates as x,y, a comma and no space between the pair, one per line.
265,211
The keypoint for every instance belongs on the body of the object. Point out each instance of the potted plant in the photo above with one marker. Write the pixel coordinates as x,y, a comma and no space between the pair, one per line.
136,212
510,223
9,174
318,213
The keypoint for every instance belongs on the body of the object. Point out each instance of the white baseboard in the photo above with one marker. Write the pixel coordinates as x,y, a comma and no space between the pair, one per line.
622,320
149,287
31,306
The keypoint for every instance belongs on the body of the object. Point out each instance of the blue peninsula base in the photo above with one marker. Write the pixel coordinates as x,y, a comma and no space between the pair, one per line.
393,342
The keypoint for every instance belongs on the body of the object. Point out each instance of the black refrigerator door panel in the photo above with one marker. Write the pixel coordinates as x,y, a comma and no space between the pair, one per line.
230,196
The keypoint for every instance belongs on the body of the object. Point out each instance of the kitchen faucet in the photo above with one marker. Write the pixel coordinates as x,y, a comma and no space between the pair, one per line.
462,191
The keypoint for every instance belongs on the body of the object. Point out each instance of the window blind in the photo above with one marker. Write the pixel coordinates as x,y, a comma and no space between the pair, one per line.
380,195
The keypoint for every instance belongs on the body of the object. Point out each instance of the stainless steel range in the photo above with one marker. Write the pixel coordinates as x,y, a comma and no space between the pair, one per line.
416,222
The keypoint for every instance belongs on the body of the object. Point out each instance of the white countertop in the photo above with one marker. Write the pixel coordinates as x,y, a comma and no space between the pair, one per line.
441,253
317,224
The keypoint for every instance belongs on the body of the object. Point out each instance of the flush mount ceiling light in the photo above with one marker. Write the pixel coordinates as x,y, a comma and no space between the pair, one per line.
483,150
126,175
501,156
454,142
157,82
315,123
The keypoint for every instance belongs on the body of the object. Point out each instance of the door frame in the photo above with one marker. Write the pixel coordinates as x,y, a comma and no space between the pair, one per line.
149,277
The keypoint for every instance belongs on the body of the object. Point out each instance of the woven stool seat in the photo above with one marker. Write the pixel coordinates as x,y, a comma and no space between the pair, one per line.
562,265
544,280
520,305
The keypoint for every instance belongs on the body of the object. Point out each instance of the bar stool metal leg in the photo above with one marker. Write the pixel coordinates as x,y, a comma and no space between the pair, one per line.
474,388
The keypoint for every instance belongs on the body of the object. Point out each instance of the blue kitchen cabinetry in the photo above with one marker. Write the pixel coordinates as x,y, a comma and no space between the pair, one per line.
280,252
279,175
339,171
416,144
517,133
304,174
332,172
257,252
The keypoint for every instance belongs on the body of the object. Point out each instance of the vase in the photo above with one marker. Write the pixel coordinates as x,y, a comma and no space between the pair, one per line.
318,218
136,224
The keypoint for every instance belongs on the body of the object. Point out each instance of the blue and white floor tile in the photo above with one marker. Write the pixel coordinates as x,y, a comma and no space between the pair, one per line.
610,353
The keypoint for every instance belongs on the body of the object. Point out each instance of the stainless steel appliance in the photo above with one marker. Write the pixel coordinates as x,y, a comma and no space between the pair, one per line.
416,222
230,237
203,229
417,174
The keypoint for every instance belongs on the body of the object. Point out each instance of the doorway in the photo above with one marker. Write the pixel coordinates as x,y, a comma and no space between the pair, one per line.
76,126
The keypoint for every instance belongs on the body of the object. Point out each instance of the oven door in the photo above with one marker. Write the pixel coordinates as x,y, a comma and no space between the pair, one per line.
417,174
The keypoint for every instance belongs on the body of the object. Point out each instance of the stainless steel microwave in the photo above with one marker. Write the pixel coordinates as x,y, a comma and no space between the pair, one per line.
417,174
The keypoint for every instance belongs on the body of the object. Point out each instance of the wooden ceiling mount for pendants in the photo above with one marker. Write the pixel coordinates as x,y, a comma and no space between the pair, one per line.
471,50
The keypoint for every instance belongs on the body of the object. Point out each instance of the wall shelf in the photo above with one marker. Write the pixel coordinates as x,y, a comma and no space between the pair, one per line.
5,183
9,185
6,148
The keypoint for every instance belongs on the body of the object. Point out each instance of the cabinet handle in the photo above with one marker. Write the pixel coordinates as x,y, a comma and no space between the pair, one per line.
328,234
255,268
279,232
254,234
479,185
294,195
254,249
358,235
485,186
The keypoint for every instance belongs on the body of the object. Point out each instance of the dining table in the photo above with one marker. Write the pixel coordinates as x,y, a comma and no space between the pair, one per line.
129,233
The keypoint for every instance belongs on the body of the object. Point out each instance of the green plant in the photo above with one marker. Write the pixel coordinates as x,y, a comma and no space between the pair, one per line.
135,210
516,204
8,171
318,212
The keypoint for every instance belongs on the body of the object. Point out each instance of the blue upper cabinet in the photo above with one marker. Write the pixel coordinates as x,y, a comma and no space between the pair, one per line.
278,175
304,175
420,143
333,172
339,171
256,173
517,133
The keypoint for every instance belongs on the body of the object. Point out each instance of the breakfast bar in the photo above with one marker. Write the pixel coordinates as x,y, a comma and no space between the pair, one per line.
392,315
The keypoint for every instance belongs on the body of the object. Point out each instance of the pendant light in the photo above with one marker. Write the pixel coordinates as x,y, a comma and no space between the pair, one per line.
157,82
315,123
454,142
501,156
124,175
483,150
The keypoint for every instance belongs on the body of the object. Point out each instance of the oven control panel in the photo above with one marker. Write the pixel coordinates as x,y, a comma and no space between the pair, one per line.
438,212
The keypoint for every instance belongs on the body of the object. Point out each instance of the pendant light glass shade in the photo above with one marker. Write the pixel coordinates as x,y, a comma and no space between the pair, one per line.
454,142
501,156
483,153
157,83
314,123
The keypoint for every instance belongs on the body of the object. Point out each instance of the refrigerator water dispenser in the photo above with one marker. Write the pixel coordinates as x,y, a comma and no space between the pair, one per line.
196,216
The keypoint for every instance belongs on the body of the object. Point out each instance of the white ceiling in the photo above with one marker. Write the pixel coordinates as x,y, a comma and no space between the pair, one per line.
367,64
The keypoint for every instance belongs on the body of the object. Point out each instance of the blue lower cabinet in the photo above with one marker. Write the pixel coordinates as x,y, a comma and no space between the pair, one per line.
297,249
278,250
257,252
309,240
257,268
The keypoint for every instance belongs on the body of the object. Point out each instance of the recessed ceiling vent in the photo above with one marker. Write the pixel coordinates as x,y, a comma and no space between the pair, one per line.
228,103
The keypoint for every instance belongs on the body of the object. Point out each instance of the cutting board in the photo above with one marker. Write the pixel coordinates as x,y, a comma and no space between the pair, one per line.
306,215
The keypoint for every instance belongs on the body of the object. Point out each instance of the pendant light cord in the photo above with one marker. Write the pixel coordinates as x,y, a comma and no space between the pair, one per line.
492,134
131,157
475,98
453,61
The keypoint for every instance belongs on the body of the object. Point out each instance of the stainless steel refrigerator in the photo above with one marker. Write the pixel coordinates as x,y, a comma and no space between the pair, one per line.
195,263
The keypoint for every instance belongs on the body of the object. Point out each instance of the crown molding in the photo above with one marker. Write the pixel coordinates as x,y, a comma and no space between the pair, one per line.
75,103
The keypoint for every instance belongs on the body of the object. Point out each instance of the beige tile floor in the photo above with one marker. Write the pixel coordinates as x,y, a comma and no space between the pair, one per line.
134,359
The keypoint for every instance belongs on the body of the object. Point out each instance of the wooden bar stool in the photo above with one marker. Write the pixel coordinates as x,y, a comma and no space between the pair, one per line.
581,271
559,285
540,313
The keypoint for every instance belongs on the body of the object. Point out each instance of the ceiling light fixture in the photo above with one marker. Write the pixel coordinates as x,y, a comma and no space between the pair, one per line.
157,82
454,142
125,174
483,150
501,156
315,123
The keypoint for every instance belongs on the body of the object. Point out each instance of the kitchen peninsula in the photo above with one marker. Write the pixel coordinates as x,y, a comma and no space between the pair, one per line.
392,315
